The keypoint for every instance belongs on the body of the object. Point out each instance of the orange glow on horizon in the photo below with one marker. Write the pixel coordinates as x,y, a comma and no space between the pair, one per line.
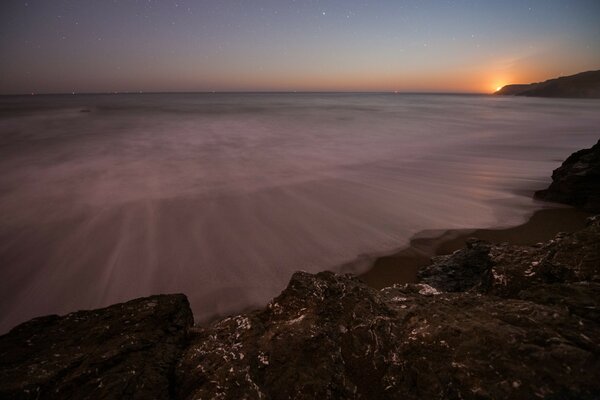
499,84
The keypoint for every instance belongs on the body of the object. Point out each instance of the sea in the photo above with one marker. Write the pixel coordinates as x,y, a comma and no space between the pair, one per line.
222,196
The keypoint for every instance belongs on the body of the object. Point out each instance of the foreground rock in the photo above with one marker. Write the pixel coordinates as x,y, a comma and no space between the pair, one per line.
582,85
506,270
491,321
525,326
577,181
126,351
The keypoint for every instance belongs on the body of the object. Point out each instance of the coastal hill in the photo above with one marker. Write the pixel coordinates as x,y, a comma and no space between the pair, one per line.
490,321
582,85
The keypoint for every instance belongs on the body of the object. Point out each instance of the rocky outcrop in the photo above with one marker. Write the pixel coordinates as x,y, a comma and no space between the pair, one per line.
491,321
582,85
522,322
577,181
125,351
505,270
466,269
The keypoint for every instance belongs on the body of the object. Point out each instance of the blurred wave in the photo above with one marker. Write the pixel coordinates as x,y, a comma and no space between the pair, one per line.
222,196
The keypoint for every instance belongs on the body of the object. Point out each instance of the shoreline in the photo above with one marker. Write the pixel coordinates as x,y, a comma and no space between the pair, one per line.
402,266
508,309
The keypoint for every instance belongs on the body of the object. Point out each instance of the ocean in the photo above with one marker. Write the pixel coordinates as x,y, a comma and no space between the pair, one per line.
104,198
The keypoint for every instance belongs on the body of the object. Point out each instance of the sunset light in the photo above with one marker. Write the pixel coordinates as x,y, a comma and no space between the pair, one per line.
299,199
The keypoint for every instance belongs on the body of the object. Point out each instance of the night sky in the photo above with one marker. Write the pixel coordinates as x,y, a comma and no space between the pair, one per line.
340,45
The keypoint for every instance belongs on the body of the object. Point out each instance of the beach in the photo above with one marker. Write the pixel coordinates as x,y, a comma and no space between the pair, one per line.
402,266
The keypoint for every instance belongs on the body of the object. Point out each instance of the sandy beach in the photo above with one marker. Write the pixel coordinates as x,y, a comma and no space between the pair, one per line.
402,267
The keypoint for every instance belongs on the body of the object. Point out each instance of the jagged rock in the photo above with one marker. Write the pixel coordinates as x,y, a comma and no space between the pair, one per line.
580,298
125,351
465,269
329,336
505,270
577,181
525,326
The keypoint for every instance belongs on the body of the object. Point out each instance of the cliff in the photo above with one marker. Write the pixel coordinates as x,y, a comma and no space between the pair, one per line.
582,85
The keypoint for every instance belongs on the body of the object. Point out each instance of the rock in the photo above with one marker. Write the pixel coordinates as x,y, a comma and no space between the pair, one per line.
469,268
491,321
329,336
307,343
125,351
505,270
582,85
577,181
579,298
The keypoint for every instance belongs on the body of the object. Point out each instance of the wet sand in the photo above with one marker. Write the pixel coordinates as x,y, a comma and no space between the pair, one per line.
402,266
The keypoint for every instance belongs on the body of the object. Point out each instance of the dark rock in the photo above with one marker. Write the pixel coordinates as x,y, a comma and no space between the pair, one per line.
125,351
493,321
505,270
512,331
582,85
577,181
511,322
469,268
579,298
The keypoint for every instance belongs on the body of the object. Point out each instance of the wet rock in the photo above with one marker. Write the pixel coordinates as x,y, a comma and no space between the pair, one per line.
577,181
125,351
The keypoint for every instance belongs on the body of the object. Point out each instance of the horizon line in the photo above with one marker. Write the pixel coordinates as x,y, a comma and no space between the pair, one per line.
73,93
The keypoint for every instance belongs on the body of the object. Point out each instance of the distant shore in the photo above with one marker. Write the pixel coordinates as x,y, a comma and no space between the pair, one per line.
402,266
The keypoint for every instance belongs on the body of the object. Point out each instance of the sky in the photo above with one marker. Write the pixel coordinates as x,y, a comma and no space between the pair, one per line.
60,46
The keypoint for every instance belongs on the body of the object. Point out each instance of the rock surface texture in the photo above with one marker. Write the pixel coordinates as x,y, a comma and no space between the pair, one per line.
577,181
491,321
521,322
125,351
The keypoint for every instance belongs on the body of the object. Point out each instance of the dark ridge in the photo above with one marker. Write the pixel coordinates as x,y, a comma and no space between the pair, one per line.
584,85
